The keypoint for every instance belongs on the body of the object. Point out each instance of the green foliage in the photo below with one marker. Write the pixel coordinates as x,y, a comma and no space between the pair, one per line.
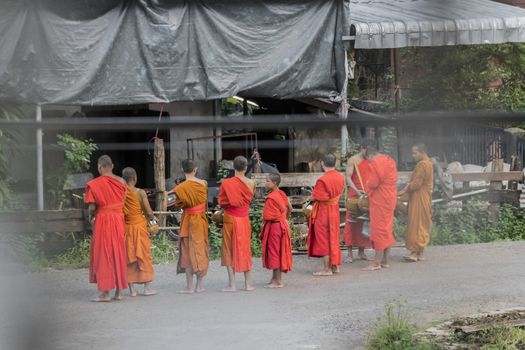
78,156
7,112
395,332
163,249
496,337
75,257
460,77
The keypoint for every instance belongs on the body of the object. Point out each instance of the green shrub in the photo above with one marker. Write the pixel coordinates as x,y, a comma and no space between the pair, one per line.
395,332
163,249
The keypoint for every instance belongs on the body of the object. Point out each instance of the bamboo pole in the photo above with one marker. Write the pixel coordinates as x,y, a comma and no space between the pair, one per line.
160,179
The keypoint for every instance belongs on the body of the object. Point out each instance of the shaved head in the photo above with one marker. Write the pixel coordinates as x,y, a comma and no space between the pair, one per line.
240,163
188,166
275,178
105,162
329,160
421,147
128,174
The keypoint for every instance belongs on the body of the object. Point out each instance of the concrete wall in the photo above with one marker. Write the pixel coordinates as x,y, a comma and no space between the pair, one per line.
203,150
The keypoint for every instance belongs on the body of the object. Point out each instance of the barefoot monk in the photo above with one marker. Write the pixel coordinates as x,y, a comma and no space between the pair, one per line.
323,231
107,260
194,256
235,195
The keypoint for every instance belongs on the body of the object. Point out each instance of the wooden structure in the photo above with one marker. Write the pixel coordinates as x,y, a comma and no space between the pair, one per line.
43,221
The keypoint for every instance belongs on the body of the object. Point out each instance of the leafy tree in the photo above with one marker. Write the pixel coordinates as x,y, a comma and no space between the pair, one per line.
7,112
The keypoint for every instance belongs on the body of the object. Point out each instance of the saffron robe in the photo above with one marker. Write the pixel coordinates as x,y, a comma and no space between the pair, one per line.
420,206
323,229
235,197
107,258
194,246
353,233
275,233
138,244
382,194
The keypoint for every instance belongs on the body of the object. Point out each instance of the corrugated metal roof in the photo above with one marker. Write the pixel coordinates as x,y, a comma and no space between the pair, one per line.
401,23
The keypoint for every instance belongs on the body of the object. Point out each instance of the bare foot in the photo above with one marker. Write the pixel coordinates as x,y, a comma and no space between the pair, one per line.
420,257
200,290
118,297
364,257
323,273
410,258
274,285
132,290
102,298
150,292
249,288
229,289
336,269
185,291
349,260
385,266
372,268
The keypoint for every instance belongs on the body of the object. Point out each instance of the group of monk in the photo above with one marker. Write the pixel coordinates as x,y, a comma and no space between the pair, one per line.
119,212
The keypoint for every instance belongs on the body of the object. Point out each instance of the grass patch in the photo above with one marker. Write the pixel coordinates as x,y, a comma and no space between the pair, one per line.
163,249
395,332
497,337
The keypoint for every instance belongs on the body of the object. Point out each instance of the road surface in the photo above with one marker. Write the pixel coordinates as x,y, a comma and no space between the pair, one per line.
51,310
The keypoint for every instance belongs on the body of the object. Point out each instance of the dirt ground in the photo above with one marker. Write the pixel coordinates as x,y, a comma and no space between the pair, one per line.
51,310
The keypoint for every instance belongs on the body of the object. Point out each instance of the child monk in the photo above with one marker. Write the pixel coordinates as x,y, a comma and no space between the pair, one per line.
138,244
275,232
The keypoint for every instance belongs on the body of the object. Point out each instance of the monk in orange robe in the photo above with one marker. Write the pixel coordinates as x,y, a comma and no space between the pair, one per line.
419,191
356,176
138,244
194,251
275,232
235,195
382,195
107,260
323,230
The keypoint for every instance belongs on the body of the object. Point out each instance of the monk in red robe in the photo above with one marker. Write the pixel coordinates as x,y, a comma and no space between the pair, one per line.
107,261
323,230
275,232
235,195
382,194
137,212
194,247
356,177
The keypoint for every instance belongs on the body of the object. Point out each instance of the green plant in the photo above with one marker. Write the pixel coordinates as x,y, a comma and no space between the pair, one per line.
256,223
75,257
7,112
77,154
163,249
395,332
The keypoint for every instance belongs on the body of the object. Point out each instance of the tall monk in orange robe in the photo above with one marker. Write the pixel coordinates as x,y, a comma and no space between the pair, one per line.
138,244
107,259
194,251
235,196
382,195
419,191
323,230
356,176
275,232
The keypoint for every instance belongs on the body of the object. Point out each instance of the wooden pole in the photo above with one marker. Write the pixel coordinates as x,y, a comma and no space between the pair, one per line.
39,162
497,166
160,179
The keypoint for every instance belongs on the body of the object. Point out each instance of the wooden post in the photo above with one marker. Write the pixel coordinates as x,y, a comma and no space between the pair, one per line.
160,179
497,166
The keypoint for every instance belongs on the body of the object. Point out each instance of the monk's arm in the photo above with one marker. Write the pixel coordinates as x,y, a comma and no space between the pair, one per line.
319,192
147,208
223,198
417,178
350,165
92,210
178,202
288,209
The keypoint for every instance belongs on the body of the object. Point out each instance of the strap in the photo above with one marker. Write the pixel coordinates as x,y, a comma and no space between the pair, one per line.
359,175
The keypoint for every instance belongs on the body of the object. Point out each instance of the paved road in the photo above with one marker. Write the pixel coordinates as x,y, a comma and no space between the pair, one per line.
52,308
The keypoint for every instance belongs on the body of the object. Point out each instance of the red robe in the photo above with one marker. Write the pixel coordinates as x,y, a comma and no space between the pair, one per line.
382,194
107,260
323,230
353,234
275,233
235,197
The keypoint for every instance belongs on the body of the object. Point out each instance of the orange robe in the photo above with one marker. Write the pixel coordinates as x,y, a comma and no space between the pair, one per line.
323,230
420,206
194,245
235,197
382,194
353,234
138,244
275,233
107,258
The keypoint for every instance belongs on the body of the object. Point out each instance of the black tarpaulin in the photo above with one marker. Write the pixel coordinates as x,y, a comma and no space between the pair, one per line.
127,52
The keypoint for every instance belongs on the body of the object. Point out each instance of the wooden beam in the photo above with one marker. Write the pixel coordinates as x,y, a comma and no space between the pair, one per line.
309,179
42,221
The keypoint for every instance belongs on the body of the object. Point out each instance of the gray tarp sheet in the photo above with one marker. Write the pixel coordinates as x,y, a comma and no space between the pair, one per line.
128,52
